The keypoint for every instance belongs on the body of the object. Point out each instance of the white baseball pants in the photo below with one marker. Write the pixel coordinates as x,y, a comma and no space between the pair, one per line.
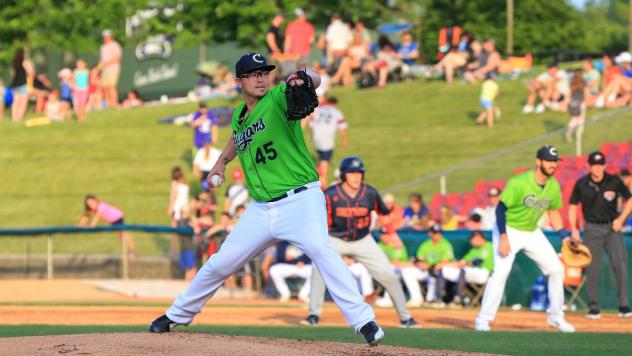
472,274
280,271
361,274
300,219
539,249
412,276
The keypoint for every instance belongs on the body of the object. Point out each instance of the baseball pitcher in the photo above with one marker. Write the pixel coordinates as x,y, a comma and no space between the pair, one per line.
288,203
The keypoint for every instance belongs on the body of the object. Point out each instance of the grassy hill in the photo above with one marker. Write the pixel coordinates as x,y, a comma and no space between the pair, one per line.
403,132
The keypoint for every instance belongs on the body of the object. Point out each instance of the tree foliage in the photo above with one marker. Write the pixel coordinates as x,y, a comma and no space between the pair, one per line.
540,25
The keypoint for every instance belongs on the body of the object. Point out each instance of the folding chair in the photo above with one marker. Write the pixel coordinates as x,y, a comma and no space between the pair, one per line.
475,293
574,281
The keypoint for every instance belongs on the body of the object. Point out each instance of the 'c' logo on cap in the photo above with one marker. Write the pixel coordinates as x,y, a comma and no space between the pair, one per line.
257,58
553,151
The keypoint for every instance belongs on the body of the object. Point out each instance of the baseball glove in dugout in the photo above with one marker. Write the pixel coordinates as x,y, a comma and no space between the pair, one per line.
301,99
575,254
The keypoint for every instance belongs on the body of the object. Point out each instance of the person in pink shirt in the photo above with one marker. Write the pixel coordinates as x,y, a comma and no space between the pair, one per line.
299,37
98,210
111,54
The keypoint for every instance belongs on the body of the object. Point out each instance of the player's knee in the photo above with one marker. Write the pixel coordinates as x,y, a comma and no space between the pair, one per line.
557,270
502,274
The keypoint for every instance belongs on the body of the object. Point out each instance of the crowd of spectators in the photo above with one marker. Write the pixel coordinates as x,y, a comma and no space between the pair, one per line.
349,55
600,83
79,90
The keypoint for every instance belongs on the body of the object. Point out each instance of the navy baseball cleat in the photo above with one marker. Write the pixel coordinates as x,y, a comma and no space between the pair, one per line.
410,323
373,334
311,320
162,325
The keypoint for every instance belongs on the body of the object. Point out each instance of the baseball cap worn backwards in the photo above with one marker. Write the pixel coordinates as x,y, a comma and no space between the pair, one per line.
596,158
548,153
250,62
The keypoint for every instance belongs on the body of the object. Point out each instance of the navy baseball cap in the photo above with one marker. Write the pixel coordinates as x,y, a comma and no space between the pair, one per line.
548,153
596,158
250,62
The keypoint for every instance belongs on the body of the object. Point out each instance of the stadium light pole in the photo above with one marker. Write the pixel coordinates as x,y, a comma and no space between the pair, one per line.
510,25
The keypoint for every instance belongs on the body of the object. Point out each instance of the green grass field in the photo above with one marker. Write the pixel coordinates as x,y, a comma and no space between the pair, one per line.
508,343
403,132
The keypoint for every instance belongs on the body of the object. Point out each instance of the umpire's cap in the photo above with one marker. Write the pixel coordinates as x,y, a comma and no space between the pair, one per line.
250,62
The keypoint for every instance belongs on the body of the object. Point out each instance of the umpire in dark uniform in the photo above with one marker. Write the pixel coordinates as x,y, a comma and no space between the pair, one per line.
600,195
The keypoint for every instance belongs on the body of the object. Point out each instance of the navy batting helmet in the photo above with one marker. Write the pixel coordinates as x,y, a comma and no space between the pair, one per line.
350,164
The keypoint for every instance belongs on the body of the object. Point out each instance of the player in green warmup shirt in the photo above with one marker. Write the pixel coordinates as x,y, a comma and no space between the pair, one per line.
475,267
432,255
523,202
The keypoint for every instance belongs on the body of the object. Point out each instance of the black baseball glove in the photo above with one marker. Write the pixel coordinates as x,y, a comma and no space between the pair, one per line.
301,99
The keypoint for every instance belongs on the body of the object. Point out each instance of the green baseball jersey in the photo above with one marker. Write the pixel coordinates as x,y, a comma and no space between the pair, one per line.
526,200
394,254
271,149
484,253
433,254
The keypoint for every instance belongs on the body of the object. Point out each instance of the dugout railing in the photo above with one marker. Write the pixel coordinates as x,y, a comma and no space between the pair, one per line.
518,290
51,231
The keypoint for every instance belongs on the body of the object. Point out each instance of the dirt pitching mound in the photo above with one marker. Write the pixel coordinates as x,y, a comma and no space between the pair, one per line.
191,343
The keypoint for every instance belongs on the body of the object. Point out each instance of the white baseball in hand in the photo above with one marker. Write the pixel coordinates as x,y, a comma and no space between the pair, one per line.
216,180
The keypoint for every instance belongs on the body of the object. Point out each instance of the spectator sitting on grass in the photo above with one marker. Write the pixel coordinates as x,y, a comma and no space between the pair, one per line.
41,88
65,93
618,92
592,78
357,54
488,62
338,37
408,52
416,214
552,87
133,99
468,51
53,108
387,61
97,210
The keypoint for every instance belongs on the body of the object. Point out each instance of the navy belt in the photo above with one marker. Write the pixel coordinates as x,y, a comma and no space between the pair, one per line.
285,195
